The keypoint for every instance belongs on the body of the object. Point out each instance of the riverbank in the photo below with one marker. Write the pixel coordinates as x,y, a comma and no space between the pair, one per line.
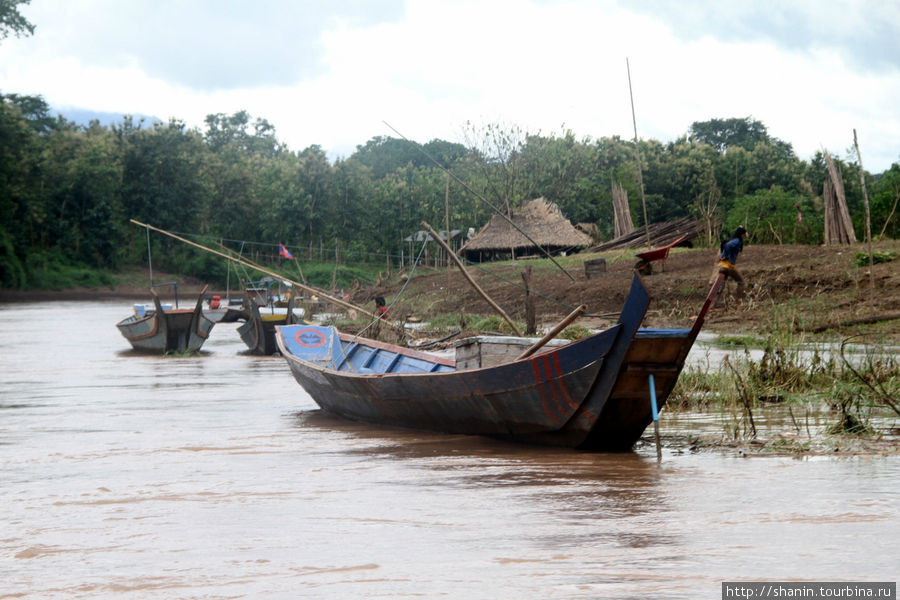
820,292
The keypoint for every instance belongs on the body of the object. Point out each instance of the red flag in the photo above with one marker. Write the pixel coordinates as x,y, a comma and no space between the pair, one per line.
284,251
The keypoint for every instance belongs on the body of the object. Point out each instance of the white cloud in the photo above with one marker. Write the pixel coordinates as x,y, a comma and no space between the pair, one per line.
332,76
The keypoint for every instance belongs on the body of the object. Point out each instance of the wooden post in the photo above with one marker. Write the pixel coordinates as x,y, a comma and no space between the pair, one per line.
655,416
462,268
530,313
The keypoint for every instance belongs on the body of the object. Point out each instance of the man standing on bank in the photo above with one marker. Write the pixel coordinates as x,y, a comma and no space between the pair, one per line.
728,257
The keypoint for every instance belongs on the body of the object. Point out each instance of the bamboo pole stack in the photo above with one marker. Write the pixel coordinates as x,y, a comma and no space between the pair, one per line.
838,226
622,222
661,234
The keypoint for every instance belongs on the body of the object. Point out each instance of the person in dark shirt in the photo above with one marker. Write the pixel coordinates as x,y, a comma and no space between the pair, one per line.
380,309
728,255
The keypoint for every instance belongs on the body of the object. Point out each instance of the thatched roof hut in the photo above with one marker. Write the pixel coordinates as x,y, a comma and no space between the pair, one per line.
541,220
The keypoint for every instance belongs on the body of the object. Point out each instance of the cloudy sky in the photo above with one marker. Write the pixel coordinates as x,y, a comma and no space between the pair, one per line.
334,72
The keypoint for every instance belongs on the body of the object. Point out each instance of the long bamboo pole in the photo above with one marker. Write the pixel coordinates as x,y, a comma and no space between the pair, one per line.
862,181
447,212
553,332
637,154
462,268
262,269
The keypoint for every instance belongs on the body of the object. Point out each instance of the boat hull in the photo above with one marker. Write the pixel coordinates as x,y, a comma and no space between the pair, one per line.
167,330
258,331
518,398
591,394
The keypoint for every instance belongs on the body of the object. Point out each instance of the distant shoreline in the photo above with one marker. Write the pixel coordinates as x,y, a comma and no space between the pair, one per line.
75,294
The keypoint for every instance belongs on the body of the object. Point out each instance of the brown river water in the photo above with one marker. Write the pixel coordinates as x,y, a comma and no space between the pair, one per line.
216,476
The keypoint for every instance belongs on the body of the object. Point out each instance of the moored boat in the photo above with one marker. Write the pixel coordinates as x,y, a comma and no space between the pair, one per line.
258,332
593,393
164,329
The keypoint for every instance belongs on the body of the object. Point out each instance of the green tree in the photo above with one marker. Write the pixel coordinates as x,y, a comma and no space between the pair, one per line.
12,21
166,181
498,157
82,181
234,135
771,217
723,134
35,110
885,206
20,150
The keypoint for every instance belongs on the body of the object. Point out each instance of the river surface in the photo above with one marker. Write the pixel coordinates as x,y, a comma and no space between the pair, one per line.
216,476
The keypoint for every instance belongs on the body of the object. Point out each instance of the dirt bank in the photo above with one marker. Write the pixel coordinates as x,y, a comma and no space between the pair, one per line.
806,287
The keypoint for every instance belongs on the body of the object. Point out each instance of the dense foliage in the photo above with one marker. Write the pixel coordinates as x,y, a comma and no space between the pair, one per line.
67,192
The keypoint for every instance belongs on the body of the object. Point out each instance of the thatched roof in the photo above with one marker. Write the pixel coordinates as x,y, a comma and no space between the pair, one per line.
541,220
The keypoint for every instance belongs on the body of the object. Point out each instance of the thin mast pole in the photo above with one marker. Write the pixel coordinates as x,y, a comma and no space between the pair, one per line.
149,257
447,214
637,154
862,180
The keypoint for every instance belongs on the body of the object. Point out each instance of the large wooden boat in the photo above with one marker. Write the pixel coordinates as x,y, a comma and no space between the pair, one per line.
162,330
593,393
258,331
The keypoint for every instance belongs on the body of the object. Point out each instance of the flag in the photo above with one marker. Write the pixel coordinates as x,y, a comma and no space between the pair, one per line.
284,251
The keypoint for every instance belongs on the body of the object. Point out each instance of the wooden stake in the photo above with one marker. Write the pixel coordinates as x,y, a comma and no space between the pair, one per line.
655,411
462,268
530,313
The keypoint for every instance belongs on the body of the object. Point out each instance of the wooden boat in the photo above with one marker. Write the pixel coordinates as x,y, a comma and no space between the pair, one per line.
591,394
258,331
163,330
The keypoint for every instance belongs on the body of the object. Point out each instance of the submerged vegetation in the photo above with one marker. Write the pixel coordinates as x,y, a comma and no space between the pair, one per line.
851,391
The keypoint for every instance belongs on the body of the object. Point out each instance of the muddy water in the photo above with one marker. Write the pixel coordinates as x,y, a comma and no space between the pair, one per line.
128,476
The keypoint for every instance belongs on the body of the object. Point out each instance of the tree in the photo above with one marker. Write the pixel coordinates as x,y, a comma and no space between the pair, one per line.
498,156
771,217
20,150
82,181
232,135
677,174
35,110
554,164
384,155
12,21
886,203
722,134
166,179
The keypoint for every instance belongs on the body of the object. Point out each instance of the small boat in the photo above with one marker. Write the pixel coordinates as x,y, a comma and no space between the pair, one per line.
591,394
228,311
258,331
163,329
